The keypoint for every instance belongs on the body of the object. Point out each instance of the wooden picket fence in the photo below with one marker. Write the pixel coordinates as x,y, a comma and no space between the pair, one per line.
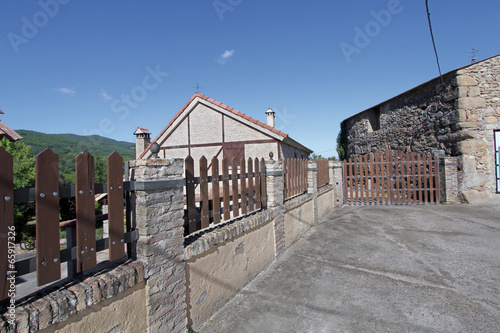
323,176
82,249
294,176
391,177
239,190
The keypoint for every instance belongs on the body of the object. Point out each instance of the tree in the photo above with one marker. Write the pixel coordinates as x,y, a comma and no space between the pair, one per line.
342,142
24,177
24,163
315,157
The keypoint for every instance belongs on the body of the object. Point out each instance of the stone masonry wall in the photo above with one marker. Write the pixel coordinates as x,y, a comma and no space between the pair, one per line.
420,120
456,116
478,106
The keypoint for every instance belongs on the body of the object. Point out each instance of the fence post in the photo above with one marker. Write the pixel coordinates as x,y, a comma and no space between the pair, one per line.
312,186
337,180
450,179
274,189
159,216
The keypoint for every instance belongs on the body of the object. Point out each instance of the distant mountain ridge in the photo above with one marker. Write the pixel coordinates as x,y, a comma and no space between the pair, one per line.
62,144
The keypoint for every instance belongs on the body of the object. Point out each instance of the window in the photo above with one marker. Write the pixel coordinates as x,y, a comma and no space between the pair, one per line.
374,118
497,158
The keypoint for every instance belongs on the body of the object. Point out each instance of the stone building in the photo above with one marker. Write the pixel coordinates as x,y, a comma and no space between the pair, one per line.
457,114
206,127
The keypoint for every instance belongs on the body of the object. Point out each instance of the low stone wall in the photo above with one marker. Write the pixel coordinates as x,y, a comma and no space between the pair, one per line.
222,262
175,282
326,200
126,312
299,217
123,285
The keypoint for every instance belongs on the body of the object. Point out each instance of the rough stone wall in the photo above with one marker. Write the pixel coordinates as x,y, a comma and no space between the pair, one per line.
456,116
420,120
478,106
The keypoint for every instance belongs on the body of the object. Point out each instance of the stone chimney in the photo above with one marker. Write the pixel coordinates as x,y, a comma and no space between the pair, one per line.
270,117
142,141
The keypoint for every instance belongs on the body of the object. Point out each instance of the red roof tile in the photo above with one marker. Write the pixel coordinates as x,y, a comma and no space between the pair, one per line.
8,132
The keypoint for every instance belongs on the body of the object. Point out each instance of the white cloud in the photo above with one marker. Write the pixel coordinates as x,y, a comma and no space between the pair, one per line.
224,57
105,95
65,91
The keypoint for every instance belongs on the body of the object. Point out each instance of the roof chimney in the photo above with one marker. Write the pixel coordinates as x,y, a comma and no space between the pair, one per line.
142,140
270,117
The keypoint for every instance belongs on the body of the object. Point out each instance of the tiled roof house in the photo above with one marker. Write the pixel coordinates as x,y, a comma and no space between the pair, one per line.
207,127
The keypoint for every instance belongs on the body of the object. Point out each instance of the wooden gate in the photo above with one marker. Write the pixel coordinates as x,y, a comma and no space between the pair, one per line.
391,178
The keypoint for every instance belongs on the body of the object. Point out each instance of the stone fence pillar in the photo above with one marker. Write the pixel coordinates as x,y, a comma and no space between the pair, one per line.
337,180
274,188
312,186
159,216
450,173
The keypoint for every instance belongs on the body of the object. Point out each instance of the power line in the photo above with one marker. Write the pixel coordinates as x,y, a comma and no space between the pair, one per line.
432,36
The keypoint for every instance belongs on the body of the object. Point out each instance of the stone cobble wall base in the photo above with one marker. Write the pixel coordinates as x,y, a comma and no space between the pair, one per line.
56,306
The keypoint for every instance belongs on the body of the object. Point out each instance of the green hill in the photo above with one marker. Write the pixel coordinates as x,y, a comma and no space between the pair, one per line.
67,146
71,143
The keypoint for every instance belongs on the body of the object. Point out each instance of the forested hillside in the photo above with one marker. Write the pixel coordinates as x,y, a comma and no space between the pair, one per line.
67,146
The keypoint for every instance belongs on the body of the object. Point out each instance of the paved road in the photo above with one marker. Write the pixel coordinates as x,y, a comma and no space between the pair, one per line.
380,269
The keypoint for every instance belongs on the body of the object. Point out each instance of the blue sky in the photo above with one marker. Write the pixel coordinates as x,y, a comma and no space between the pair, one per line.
106,67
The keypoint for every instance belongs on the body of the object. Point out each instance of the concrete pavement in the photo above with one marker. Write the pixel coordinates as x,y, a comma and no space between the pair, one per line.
379,269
